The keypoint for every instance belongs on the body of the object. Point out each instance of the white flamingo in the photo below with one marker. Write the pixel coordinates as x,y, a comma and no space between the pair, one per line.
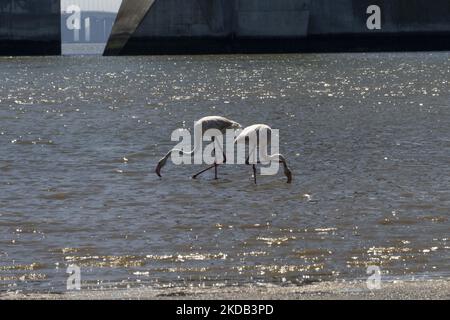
255,131
202,125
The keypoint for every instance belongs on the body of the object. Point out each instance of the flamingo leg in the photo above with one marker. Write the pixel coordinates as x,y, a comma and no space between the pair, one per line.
216,144
253,164
203,171
215,155
207,169
215,171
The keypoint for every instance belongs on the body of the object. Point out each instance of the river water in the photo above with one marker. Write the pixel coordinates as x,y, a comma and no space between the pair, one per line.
366,135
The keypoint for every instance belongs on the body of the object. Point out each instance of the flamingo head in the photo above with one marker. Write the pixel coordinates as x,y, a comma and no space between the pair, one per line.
288,174
236,126
160,165
287,171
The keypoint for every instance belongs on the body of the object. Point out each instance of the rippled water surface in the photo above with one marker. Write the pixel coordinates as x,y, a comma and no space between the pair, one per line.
367,137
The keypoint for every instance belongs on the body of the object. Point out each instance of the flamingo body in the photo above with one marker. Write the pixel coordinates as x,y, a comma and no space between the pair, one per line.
202,125
255,130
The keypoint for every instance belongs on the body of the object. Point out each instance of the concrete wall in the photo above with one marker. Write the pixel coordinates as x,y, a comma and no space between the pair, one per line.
30,27
131,15
397,16
267,18
188,18
208,26
220,18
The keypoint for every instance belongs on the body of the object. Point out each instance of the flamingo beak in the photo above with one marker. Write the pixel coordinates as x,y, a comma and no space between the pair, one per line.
288,174
158,169
236,126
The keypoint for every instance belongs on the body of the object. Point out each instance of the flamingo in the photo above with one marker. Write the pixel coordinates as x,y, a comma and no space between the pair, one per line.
256,129
202,125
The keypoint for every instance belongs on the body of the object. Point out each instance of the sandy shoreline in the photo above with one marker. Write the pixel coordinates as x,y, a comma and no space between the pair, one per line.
403,290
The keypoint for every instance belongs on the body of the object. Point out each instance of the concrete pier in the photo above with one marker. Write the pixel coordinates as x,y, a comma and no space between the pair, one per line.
30,27
264,26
